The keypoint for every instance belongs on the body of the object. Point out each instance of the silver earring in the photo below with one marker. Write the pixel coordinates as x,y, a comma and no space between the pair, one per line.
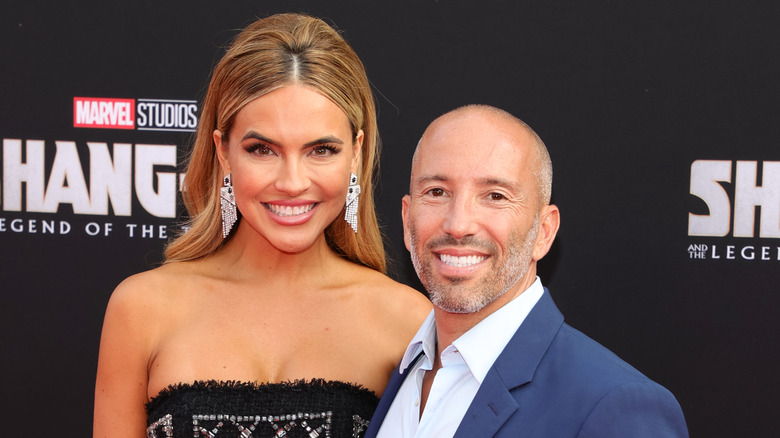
352,201
228,204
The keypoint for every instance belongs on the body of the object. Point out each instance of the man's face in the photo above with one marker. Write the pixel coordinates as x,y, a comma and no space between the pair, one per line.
471,219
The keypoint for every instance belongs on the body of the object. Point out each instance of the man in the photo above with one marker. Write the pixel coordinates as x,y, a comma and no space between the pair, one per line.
495,358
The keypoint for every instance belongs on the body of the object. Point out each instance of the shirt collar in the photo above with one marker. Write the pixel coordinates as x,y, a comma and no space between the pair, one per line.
483,343
423,341
479,355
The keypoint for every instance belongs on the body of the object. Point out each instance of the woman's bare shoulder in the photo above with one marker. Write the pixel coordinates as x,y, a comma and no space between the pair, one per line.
396,301
149,290
399,295
138,313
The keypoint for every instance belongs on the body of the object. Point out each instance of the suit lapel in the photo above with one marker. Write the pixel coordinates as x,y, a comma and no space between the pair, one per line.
491,408
515,366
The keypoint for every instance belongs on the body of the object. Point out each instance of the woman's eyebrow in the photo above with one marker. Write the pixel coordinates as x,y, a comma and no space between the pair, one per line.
326,139
257,136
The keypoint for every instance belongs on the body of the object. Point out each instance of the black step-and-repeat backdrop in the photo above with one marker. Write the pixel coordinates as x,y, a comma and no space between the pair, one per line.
661,118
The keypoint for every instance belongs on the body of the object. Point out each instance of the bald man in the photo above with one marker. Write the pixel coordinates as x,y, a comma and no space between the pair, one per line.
494,358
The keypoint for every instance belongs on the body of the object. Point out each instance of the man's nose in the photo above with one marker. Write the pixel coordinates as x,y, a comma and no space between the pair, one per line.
461,218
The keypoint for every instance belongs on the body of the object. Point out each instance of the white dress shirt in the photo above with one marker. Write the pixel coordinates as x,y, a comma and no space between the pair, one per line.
465,363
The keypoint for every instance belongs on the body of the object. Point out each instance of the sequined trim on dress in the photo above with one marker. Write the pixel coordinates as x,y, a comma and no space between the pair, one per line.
247,425
165,422
358,426
311,425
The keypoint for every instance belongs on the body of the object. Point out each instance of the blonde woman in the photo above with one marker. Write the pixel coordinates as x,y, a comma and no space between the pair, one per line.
272,315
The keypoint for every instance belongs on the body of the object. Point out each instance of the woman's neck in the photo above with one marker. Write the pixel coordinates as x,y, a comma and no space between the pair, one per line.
248,256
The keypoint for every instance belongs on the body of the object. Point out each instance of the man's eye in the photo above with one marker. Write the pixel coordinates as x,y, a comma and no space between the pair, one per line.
436,192
497,197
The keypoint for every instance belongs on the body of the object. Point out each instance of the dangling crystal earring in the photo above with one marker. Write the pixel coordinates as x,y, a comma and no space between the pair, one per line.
228,204
352,202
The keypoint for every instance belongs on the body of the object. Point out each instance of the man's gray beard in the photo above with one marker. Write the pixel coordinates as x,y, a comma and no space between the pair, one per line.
454,298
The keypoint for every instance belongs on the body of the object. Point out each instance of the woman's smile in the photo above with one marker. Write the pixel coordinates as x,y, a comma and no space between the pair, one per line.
287,210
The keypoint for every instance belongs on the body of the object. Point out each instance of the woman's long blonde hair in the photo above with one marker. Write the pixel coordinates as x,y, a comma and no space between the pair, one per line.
270,53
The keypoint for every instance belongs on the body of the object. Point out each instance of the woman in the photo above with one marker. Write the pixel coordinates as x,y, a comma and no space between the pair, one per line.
271,315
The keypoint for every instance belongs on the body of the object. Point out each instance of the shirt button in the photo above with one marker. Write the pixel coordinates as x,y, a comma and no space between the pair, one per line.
417,402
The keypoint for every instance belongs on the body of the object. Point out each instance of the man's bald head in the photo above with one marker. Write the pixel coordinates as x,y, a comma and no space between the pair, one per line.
477,218
541,168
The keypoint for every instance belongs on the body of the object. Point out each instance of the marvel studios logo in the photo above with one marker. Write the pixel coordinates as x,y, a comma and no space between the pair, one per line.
140,114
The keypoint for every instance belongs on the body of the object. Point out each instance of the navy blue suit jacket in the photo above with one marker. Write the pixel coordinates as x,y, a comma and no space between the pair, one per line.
552,381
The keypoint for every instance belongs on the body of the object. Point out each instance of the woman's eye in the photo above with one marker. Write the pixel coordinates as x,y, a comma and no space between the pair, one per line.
260,149
323,151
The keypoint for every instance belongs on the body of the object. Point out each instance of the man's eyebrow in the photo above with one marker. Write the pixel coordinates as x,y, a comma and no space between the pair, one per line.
257,136
505,183
501,182
428,178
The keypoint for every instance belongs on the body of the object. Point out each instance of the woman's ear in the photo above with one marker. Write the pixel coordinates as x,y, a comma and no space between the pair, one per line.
222,151
357,149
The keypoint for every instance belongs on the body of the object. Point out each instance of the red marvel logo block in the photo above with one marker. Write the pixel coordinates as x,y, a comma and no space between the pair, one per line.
98,112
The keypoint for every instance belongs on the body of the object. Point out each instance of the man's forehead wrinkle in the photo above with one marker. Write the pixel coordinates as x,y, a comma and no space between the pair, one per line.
431,178
503,182
491,136
481,182
435,168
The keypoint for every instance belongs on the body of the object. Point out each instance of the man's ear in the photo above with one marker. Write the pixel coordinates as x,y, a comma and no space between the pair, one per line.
221,149
405,217
549,222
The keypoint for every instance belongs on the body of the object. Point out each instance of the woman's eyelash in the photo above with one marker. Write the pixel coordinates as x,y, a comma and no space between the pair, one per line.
322,148
329,147
255,147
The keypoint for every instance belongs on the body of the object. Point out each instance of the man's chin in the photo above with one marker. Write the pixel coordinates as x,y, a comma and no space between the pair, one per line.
456,281
459,311
459,305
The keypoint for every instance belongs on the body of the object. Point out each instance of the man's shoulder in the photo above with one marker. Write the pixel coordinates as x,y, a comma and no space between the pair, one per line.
549,363
569,352
589,384
574,353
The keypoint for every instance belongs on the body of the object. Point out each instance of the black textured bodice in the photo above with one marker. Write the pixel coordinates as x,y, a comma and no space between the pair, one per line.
309,409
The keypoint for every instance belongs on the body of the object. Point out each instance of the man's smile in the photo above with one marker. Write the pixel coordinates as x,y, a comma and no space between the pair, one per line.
461,261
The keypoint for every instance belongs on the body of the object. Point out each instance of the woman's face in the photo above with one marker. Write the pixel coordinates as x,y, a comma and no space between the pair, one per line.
290,153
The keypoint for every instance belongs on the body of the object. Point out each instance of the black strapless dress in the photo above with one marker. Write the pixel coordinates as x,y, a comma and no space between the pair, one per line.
309,409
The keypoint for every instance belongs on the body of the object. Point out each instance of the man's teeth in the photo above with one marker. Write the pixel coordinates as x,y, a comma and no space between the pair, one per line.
461,262
281,210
